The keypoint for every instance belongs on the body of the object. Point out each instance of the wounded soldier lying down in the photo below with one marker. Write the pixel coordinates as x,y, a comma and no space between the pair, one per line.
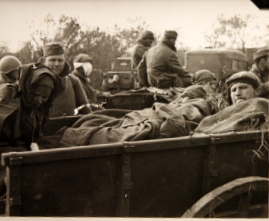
178,118
247,112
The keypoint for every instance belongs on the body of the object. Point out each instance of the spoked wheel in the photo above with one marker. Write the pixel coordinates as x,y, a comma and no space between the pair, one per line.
241,198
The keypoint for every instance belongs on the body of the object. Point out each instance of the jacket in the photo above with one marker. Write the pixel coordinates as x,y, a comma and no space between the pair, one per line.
70,97
160,67
263,75
139,49
80,74
20,122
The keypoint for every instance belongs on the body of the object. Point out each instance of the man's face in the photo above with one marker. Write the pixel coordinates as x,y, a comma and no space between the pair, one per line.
173,41
55,63
242,91
37,99
265,62
150,41
210,85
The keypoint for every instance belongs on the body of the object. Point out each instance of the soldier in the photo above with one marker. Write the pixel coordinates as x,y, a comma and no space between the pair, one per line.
36,88
247,110
261,65
9,69
261,69
243,86
142,45
23,117
160,67
208,80
205,78
72,95
82,70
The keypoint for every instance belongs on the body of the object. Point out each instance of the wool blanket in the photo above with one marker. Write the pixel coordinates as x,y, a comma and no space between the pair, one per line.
245,116
108,126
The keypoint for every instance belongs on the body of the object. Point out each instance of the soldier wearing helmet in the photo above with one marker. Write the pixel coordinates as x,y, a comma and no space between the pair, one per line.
9,69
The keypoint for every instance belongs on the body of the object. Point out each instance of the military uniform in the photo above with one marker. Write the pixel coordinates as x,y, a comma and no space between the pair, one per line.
160,67
71,96
141,47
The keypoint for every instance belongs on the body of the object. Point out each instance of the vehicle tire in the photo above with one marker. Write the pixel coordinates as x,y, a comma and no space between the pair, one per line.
240,198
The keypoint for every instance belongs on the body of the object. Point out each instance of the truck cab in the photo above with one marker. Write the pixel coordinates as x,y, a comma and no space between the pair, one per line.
120,77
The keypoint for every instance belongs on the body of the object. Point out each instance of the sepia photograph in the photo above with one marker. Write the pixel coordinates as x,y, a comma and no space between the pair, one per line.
134,109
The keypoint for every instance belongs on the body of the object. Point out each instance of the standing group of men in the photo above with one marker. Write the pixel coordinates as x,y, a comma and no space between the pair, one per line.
26,102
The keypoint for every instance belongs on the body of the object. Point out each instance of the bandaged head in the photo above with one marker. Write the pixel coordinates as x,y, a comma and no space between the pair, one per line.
85,61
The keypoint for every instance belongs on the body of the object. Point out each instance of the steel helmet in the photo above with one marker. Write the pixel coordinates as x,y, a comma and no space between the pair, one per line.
9,63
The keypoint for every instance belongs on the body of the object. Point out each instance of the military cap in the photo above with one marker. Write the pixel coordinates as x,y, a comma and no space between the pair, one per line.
147,35
82,58
170,34
244,77
203,75
53,48
261,53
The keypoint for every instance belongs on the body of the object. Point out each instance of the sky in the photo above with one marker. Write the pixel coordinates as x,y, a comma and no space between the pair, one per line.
19,18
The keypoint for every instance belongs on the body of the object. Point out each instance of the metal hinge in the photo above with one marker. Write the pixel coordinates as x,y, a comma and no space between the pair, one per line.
15,201
15,160
126,147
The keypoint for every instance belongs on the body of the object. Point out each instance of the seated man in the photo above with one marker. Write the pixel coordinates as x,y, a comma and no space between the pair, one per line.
160,67
247,111
142,45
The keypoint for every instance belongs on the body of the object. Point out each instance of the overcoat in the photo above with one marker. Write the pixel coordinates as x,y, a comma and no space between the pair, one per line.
160,67
139,49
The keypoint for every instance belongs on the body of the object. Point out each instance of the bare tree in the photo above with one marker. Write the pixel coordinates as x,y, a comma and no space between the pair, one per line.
235,32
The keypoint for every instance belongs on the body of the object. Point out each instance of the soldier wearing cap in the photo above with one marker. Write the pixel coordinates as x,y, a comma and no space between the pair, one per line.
208,81
142,45
160,67
243,86
205,78
261,65
72,94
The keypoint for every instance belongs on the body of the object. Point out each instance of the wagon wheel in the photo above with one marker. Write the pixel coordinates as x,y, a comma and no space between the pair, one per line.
239,192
